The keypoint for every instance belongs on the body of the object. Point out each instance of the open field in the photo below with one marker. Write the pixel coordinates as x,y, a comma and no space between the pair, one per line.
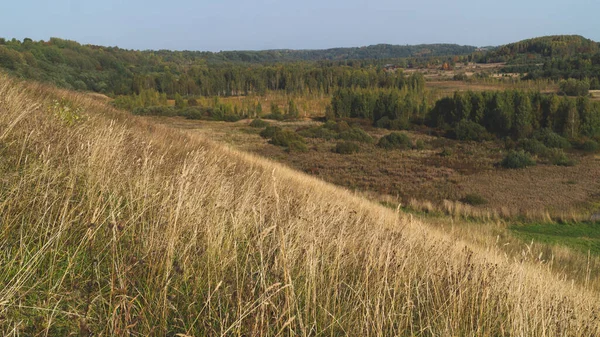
115,225
427,175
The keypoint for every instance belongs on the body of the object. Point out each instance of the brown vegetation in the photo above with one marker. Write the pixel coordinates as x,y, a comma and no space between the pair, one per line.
113,225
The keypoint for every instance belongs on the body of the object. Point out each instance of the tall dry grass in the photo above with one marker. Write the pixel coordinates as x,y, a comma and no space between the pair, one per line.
115,226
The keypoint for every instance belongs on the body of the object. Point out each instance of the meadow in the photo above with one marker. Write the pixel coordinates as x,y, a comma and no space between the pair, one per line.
116,225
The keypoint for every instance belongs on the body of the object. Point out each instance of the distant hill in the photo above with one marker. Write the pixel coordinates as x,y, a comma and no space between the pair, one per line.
112,70
561,46
378,52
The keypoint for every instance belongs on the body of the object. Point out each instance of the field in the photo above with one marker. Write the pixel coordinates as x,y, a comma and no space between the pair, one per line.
442,169
117,225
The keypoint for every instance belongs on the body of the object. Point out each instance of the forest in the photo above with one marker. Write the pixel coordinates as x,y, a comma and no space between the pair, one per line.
115,71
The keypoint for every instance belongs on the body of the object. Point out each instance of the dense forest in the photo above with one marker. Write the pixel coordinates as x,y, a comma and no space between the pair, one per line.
552,57
116,71
517,114
557,46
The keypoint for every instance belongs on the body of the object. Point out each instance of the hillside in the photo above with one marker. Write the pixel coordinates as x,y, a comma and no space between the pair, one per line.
113,225
556,46
112,70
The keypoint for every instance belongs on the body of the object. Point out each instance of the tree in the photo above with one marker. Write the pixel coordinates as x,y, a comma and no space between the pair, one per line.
179,102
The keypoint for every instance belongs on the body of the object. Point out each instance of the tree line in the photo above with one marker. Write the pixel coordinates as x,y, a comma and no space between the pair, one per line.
116,71
517,114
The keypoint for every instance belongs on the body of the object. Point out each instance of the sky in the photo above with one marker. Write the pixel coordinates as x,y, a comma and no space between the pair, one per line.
301,24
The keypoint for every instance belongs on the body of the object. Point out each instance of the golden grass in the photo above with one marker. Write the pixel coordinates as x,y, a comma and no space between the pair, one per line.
117,226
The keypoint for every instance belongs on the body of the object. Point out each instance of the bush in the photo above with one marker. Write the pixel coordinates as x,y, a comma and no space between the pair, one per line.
517,159
560,158
473,200
228,118
551,139
346,148
574,87
589,146
258,123
167,111
337,127
297,146
392,124
269,131
469,130
289,139
395,140
275,116
356,134
318,132
534,147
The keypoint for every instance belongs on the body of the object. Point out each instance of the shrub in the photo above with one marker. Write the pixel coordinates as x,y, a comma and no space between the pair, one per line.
446,152
560,158
420,144
534,147
337,127
589,146
517,159
259,123
297,146
356,134
392,124
275,116
228,118
318,132
383,122
469,130
269,131
395,140
473,200
289,139
346,148
574,87
551,139
168,111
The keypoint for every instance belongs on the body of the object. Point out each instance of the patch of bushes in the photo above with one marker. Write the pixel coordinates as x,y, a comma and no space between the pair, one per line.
356,134
259,123
393,124
395,140
341,130
589,145
517,159
289,139
285,138
560,158
340,126
274,116
473,200
346,148
269,131
318,132
167,111
551,139
469,130
534,147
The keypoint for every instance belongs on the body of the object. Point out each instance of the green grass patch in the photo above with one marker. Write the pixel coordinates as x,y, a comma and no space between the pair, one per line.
580,236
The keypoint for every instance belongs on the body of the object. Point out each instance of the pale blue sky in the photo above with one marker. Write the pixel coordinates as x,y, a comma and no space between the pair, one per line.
307,24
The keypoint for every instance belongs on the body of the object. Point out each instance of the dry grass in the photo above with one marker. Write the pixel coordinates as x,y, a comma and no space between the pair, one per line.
537,193
118,226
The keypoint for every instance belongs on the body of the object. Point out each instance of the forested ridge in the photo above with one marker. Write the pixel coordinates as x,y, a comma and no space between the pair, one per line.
117,71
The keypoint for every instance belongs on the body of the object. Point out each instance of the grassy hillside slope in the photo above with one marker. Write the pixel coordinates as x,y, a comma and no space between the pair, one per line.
112,225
